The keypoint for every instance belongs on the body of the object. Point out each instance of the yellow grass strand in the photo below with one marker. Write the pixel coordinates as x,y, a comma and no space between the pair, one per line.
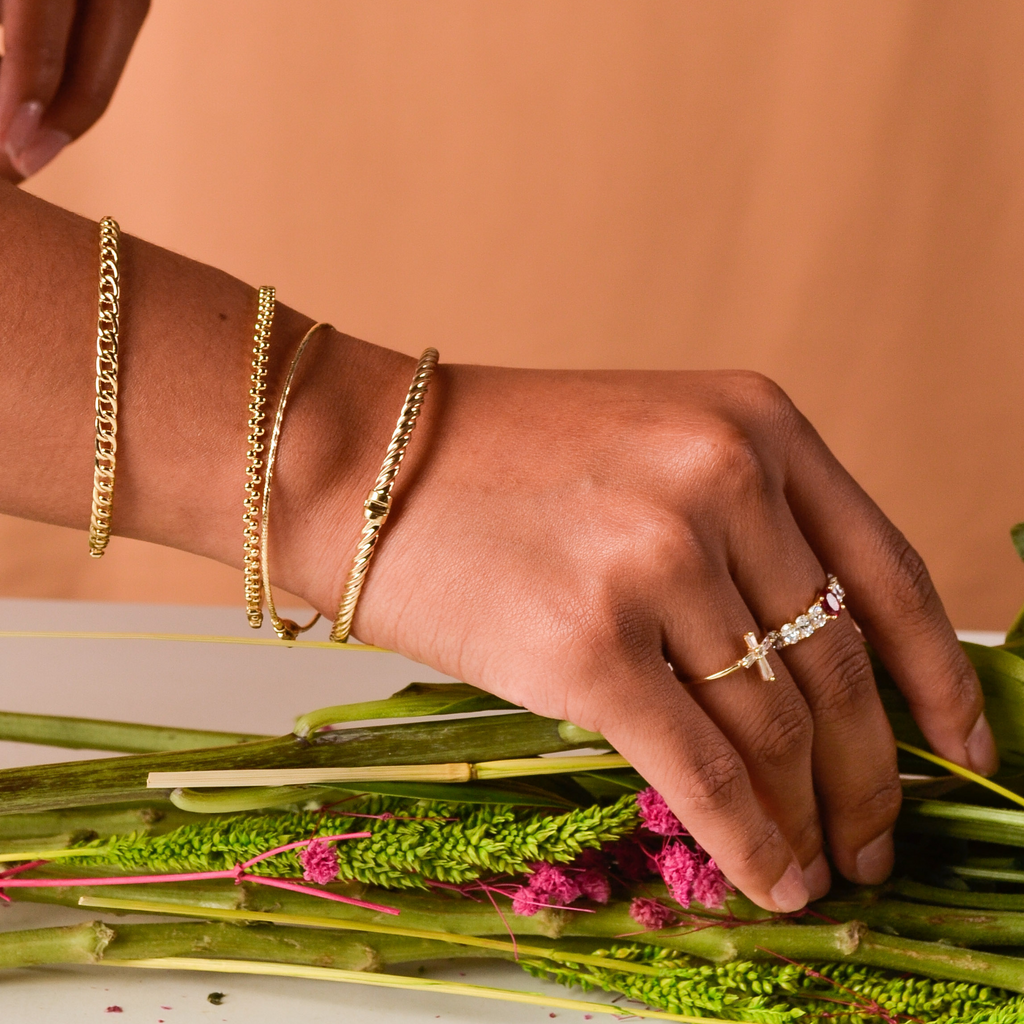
964,773
401,982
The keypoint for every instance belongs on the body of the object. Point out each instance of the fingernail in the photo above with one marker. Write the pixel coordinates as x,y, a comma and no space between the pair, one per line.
874,860
22,127
789,893
45,145
817,877
982,755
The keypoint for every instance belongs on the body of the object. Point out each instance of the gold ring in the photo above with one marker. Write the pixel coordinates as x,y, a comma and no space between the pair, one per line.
827,606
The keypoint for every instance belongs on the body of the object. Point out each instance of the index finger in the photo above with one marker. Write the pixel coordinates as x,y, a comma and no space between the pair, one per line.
892,599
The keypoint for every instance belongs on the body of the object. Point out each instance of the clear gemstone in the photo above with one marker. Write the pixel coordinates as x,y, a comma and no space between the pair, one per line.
803,625
790,633
817,616
836,587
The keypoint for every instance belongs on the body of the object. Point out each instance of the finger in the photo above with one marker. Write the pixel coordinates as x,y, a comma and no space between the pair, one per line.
854,752
104,35
651,719
894,602
35,39
767,722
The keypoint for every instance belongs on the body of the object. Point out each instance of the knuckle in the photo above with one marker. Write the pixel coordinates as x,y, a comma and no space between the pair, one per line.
711,783
752,847
728,456
785,734
880,802
845,679
911,585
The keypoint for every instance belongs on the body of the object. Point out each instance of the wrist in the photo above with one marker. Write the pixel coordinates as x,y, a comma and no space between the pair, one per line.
345,399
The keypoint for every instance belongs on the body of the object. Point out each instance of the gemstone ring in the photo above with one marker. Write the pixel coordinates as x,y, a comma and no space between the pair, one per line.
827,606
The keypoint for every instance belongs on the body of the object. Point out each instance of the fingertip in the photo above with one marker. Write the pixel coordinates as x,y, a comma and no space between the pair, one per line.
789,893
23,125
45,145
874,861
980,748
817,877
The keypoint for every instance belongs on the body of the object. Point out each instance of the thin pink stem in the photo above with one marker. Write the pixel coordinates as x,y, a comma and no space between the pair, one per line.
279,883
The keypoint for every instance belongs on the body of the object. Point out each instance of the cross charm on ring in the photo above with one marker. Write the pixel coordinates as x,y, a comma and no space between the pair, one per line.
763,665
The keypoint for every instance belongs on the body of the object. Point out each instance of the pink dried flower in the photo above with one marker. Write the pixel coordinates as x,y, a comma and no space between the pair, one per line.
526,902
710,886
319,862
656,814
678,866
548,880
650,913
594,885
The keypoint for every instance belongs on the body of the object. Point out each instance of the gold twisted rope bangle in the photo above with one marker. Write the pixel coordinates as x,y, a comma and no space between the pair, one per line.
253,460
107,341
286,629
378,503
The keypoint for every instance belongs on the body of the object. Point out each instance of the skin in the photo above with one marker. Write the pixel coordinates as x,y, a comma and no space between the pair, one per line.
62,60
588,545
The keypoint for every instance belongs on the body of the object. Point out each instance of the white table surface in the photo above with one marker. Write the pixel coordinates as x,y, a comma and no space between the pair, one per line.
234,688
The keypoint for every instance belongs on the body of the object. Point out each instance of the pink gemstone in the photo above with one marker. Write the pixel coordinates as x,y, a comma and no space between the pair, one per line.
830,603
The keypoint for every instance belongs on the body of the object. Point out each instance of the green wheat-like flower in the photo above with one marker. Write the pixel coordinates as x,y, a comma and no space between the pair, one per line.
778,993
452,843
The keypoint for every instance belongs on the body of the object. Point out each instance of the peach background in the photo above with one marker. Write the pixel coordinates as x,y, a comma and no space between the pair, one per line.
829,192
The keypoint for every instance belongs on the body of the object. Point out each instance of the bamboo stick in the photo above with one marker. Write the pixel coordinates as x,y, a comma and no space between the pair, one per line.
450,772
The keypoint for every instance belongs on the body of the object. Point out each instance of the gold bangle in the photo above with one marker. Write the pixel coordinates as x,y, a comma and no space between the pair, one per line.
253,462
107,341
378,503
286,629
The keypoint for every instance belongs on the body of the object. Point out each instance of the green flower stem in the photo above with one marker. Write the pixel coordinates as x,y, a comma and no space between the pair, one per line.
557,950
95,941
962,821
76,944
849,942
125,737
55,830
123,779
936,924
937,960
957,897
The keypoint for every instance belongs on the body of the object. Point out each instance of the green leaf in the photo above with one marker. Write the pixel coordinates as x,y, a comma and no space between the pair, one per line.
1017,536
537,793
415,701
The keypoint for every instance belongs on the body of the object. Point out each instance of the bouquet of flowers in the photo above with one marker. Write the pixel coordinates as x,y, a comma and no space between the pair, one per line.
344,849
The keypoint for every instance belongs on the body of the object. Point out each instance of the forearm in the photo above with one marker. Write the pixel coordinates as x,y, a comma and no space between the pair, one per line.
186,341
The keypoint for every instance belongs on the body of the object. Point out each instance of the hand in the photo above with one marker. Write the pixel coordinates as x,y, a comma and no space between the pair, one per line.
560,539
62,60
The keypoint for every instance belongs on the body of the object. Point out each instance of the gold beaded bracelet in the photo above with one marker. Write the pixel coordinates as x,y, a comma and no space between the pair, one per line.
286,629
378,503
253,460
107,342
